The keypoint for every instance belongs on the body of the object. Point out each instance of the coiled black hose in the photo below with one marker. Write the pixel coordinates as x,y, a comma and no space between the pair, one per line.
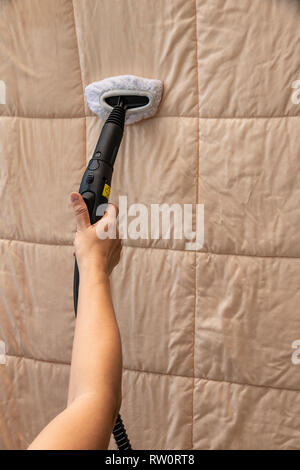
120,435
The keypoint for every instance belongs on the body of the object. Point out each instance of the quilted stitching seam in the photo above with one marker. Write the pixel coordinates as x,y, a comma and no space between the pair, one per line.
197,197
198,253
170,375
285,116
80,68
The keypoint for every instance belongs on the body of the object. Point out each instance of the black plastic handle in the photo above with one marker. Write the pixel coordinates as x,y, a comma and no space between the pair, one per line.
75,286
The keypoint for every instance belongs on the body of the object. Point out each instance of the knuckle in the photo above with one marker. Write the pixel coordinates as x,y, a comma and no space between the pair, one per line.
80,210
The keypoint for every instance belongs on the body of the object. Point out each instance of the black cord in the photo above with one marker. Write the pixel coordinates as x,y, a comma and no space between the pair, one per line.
120,435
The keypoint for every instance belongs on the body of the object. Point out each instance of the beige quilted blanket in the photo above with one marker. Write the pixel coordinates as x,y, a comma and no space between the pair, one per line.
210,336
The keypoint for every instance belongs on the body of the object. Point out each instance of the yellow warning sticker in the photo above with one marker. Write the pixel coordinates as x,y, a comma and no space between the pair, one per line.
106,191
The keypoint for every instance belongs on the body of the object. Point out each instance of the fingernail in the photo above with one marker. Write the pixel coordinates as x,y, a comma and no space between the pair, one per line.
74,197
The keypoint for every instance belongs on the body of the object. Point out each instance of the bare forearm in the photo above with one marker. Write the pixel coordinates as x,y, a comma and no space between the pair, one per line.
97,356
96,369
95,382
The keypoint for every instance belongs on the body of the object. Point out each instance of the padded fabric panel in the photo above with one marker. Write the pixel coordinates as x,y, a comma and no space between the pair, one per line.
266,417
32,393
166,421
249,338
139,155
249,184
31,276
141,309
247,57
206,336
39,61
44,162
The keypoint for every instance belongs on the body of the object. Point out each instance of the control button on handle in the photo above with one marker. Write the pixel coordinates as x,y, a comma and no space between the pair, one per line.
93,165
90,178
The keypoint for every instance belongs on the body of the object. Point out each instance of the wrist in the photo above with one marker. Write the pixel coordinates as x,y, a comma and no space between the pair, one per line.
93,271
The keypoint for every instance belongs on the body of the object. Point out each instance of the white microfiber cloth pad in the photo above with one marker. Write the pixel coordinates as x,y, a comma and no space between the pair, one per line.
96,93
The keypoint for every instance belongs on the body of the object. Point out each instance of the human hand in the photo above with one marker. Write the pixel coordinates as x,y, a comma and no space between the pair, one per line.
90,250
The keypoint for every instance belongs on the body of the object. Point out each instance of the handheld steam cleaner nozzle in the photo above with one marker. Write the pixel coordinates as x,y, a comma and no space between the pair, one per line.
96,181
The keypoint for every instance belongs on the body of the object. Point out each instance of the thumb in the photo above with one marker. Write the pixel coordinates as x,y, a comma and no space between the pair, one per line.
80,211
